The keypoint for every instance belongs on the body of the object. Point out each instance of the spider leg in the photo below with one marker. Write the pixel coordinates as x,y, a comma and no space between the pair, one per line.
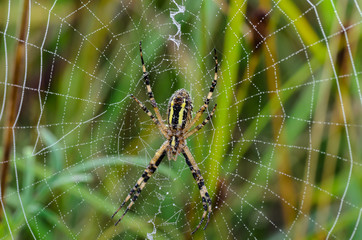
149,90
206,201
209,95
201,125
155,120
140,184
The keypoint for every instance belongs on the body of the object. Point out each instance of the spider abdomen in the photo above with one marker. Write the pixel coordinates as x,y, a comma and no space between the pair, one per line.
179,109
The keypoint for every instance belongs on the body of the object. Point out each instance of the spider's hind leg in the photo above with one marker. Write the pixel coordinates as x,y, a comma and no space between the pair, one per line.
201,125
155,120
149,90
209,95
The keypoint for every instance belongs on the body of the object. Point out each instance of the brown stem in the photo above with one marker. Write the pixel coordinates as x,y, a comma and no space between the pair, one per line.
12,106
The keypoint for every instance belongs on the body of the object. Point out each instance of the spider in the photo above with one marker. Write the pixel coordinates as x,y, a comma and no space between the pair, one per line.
177,130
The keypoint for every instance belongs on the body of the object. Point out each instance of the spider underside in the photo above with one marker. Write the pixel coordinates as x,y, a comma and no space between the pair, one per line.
177,130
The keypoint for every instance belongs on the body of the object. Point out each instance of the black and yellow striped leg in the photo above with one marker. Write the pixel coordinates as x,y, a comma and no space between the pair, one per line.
149,90
209,95
206,201
155,120
201,125
136,190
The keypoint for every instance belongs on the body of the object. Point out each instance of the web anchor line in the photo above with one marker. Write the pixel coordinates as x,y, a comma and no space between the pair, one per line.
176,38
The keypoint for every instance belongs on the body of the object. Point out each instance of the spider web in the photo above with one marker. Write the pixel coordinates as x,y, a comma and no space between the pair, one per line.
280,158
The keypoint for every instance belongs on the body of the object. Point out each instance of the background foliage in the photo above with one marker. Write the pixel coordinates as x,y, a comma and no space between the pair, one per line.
281,159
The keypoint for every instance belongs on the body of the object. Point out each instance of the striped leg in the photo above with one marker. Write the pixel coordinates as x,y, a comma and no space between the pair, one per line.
206,103
206,201
155,120
136,190
201,125
149,90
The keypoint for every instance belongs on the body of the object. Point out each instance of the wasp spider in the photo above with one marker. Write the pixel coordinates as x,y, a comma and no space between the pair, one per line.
177,130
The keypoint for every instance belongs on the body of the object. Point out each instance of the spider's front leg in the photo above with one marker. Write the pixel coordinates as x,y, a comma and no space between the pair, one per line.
136,190
206,201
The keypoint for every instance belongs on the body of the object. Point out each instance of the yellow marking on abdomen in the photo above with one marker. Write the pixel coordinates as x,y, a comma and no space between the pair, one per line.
171,112
181,113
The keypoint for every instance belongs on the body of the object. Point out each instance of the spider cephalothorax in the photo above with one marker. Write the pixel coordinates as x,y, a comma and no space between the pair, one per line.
179,122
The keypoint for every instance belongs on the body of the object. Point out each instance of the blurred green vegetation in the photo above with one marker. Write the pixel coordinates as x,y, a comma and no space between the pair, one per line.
276,158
